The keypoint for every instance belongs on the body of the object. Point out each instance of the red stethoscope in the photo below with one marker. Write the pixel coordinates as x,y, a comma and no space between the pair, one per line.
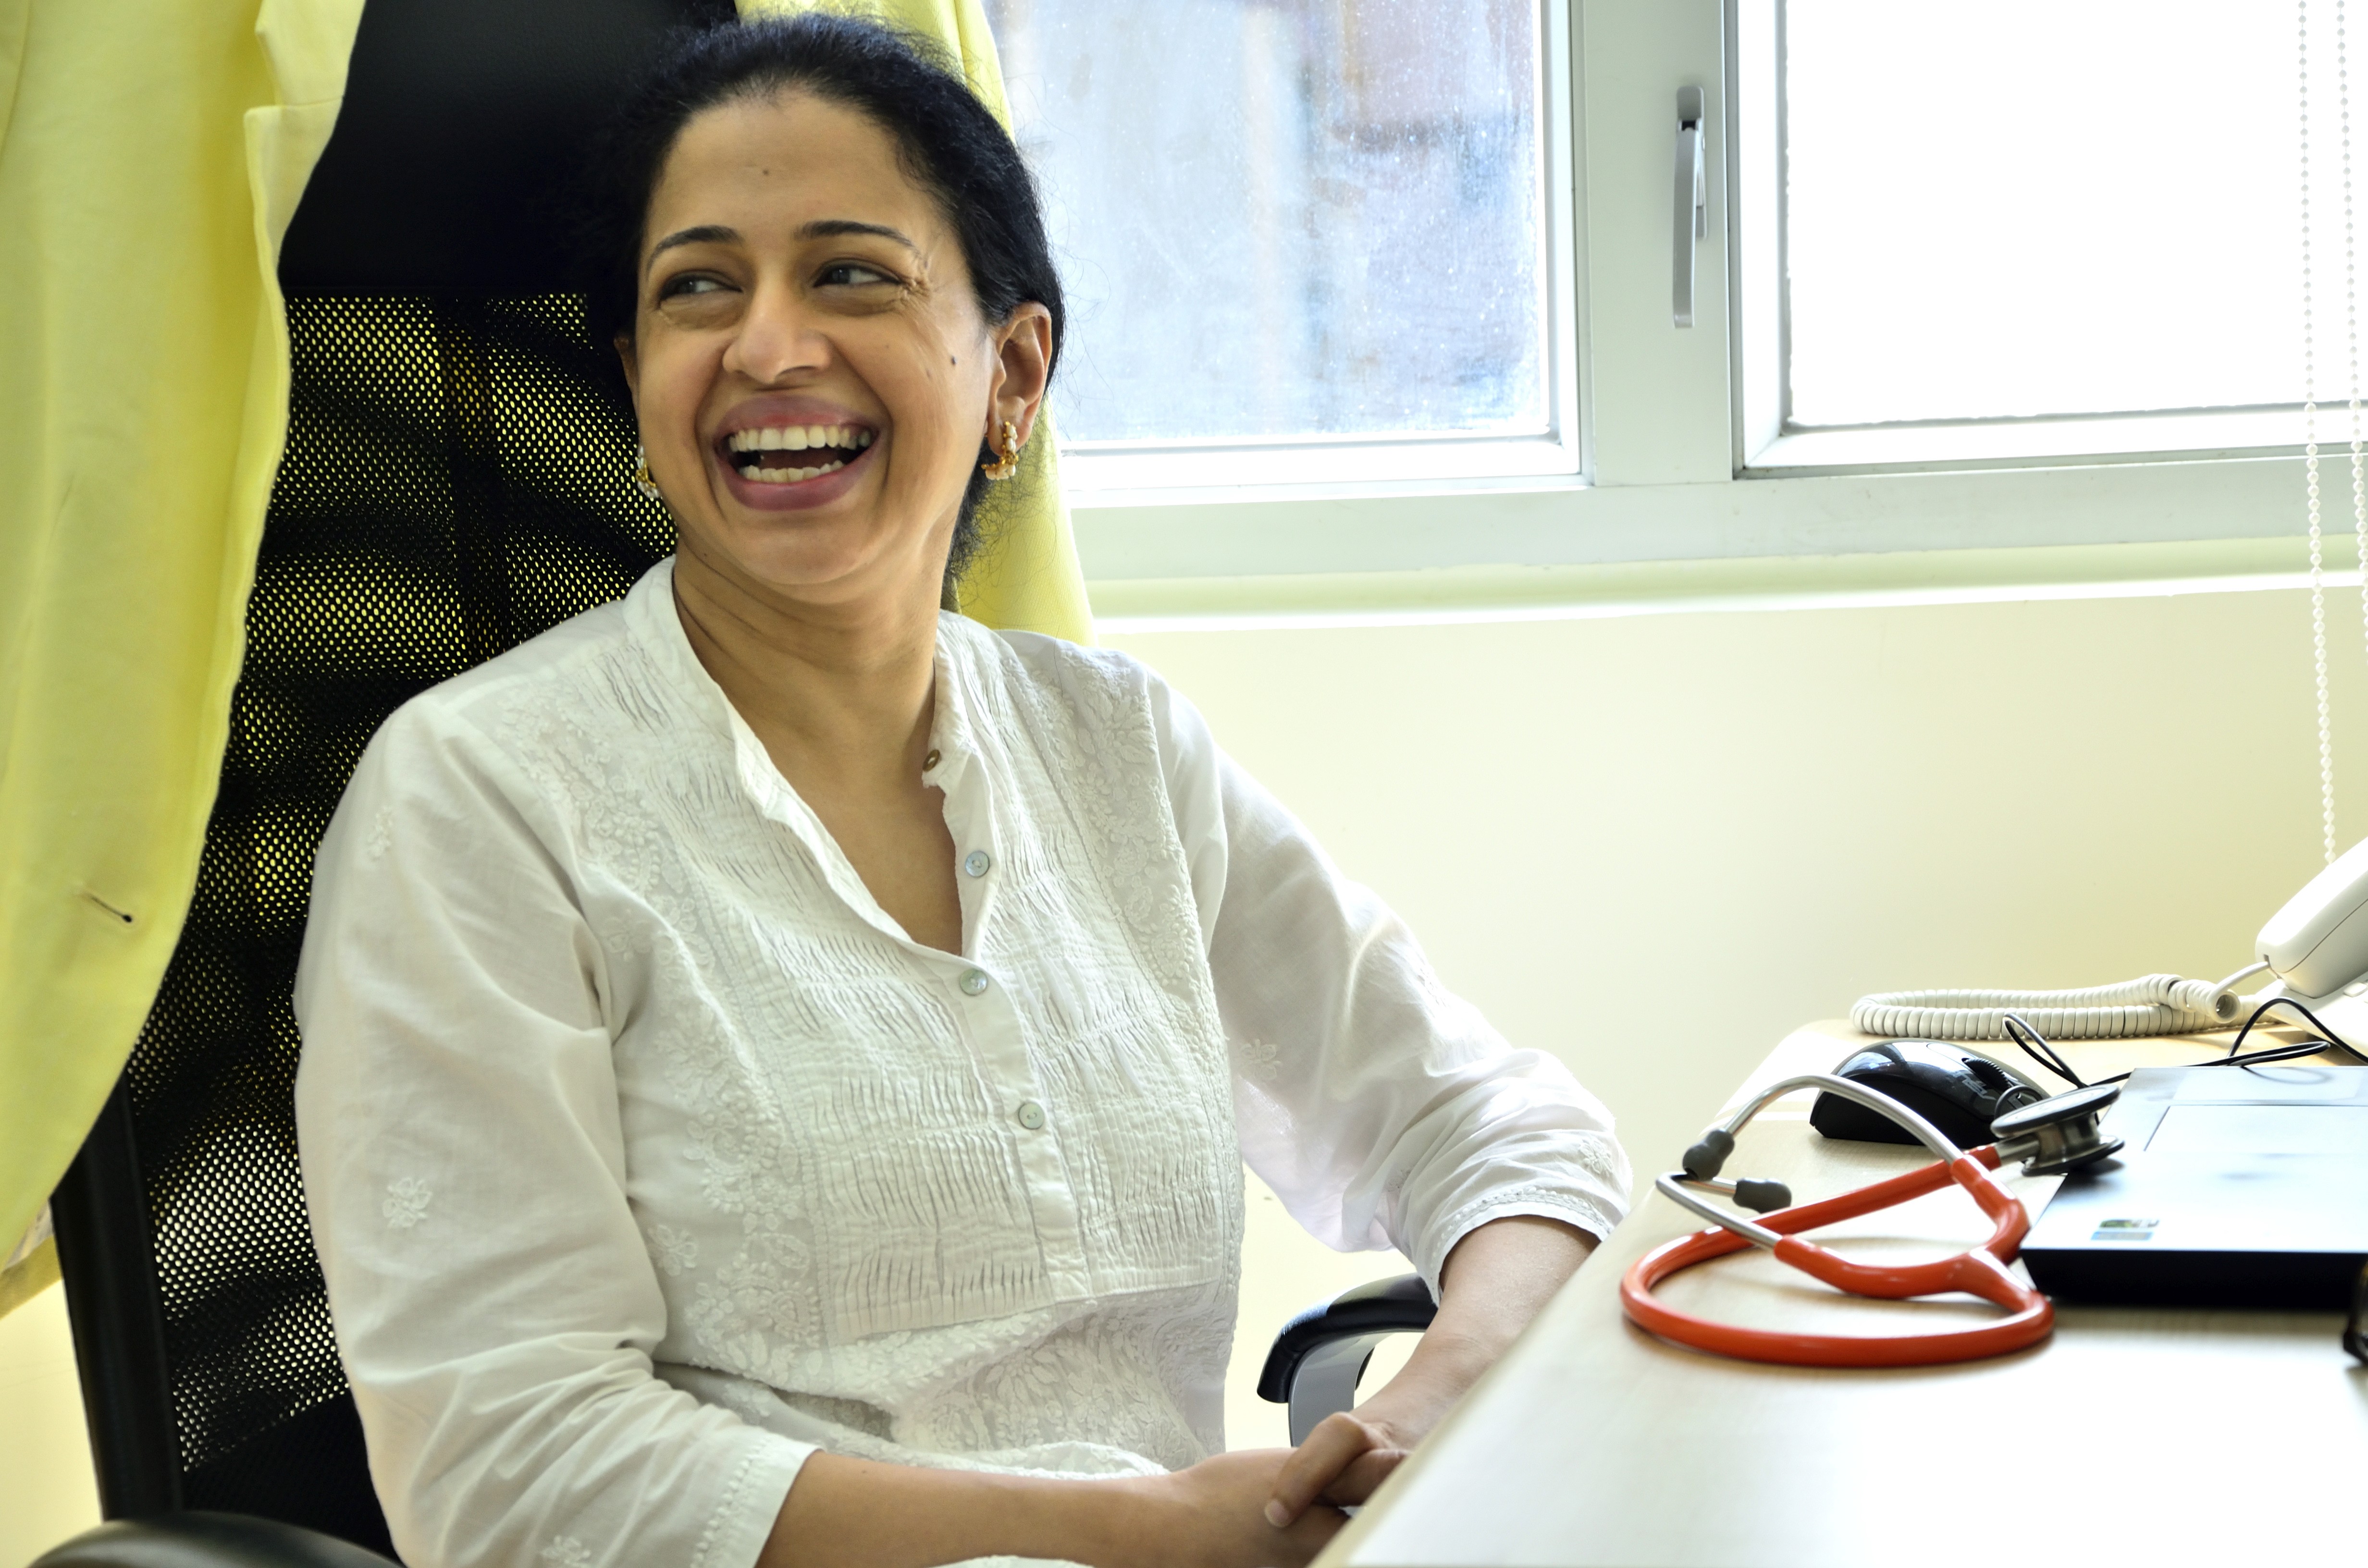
2051,1137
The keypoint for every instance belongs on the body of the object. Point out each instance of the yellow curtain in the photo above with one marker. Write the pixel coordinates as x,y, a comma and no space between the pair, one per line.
1029,576
151,155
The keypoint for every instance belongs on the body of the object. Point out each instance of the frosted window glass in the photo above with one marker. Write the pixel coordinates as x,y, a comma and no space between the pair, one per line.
2049,207
1294,218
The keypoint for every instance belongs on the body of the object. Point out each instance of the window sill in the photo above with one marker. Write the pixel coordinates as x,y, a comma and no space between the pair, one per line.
1084,496
1469,594
1182,475
1280,531
2049,442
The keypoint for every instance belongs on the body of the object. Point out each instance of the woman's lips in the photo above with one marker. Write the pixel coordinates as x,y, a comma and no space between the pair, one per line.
792,496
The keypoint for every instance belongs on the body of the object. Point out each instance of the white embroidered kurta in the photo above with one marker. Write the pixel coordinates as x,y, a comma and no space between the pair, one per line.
646,1153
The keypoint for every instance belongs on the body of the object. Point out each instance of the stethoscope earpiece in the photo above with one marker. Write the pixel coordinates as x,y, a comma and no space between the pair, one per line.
1704,1162
1762,1197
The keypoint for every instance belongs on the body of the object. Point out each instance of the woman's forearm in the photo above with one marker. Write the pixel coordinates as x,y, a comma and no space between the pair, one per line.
850,1513
1497,1279
846,1513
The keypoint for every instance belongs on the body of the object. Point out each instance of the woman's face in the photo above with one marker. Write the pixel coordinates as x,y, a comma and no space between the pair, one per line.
809,365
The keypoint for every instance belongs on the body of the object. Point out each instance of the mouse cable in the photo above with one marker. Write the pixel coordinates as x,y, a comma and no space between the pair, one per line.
2036,1047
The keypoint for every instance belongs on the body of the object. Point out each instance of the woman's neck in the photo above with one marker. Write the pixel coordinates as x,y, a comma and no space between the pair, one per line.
841,694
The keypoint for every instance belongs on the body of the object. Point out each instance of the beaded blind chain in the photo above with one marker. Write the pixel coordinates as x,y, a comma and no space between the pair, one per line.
2352,342
2310,400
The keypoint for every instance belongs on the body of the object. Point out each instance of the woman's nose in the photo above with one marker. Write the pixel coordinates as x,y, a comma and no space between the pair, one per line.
777,338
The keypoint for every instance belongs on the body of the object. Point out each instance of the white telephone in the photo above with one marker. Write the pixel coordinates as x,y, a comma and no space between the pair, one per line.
2314,950
2317,947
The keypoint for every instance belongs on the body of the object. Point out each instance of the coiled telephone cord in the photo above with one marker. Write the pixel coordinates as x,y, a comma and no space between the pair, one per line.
2156,1005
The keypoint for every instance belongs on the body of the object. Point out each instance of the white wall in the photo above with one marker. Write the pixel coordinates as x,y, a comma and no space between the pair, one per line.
46,1489
1655,844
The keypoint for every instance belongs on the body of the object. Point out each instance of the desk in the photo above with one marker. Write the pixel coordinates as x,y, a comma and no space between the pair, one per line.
2133,1436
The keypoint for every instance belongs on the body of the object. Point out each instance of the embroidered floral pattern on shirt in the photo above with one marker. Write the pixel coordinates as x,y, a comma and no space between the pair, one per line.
1595,1212
1600,1157
1261,1059
565,1552
381,834
672,1249
406,1203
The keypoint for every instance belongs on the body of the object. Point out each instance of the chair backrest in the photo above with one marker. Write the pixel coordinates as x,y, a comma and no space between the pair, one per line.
457,480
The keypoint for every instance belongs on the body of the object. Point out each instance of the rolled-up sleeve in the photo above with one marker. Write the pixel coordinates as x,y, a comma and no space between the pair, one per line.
457,1107
1383,1110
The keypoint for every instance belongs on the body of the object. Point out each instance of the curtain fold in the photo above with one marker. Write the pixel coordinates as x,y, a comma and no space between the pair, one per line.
151,156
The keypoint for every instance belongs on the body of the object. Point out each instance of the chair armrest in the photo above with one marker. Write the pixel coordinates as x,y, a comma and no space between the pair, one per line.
197,1540
1320,1354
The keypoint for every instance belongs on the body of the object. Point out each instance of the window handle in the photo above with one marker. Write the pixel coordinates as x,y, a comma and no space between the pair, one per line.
1690,212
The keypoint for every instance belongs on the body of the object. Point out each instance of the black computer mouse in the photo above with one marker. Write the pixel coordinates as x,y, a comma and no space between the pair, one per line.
1949,1086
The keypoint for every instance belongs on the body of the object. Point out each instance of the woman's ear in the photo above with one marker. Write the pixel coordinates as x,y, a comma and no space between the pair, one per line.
633,364
1023,366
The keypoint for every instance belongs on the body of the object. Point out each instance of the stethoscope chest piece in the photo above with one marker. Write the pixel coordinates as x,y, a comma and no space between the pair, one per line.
2059,1134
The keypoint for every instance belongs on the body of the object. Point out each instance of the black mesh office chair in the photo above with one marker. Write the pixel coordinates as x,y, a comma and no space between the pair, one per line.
456,481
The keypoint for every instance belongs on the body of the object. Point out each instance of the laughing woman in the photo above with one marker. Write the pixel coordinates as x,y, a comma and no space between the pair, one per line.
779,1055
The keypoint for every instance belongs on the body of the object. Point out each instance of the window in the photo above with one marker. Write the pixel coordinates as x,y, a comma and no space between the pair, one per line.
1301,239
1975,283
2040,228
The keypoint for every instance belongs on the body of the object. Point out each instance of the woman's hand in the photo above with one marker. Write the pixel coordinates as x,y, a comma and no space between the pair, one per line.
1214,1516
1341,1462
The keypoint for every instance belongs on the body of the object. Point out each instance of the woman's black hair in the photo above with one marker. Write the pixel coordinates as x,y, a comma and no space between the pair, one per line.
947,140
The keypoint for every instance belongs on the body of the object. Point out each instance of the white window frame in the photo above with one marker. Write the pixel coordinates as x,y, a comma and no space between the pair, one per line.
1770,443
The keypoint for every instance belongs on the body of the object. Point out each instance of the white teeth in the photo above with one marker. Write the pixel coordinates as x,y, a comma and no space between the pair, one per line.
800,437
788,475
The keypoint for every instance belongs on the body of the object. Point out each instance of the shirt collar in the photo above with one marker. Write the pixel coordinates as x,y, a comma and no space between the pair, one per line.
656,624
953,731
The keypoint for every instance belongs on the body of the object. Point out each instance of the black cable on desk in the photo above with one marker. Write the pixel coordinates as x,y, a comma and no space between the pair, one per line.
2019,1029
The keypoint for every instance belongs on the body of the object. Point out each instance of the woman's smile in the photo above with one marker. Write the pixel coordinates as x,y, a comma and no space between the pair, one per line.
791,454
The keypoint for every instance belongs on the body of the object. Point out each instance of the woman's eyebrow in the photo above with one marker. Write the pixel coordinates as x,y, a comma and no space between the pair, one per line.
705,234
820,229
830,228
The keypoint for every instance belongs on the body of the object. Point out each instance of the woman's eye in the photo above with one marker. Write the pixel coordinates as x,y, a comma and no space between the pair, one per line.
843,274
677,288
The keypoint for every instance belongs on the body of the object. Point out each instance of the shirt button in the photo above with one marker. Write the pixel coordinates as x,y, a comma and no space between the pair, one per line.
977,861
929,761
1032,1115
973,980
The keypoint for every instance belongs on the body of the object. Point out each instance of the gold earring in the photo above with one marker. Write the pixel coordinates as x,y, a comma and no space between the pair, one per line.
1007,464
643,480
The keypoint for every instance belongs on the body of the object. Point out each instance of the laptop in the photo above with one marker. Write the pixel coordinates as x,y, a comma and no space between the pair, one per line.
2239,1187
